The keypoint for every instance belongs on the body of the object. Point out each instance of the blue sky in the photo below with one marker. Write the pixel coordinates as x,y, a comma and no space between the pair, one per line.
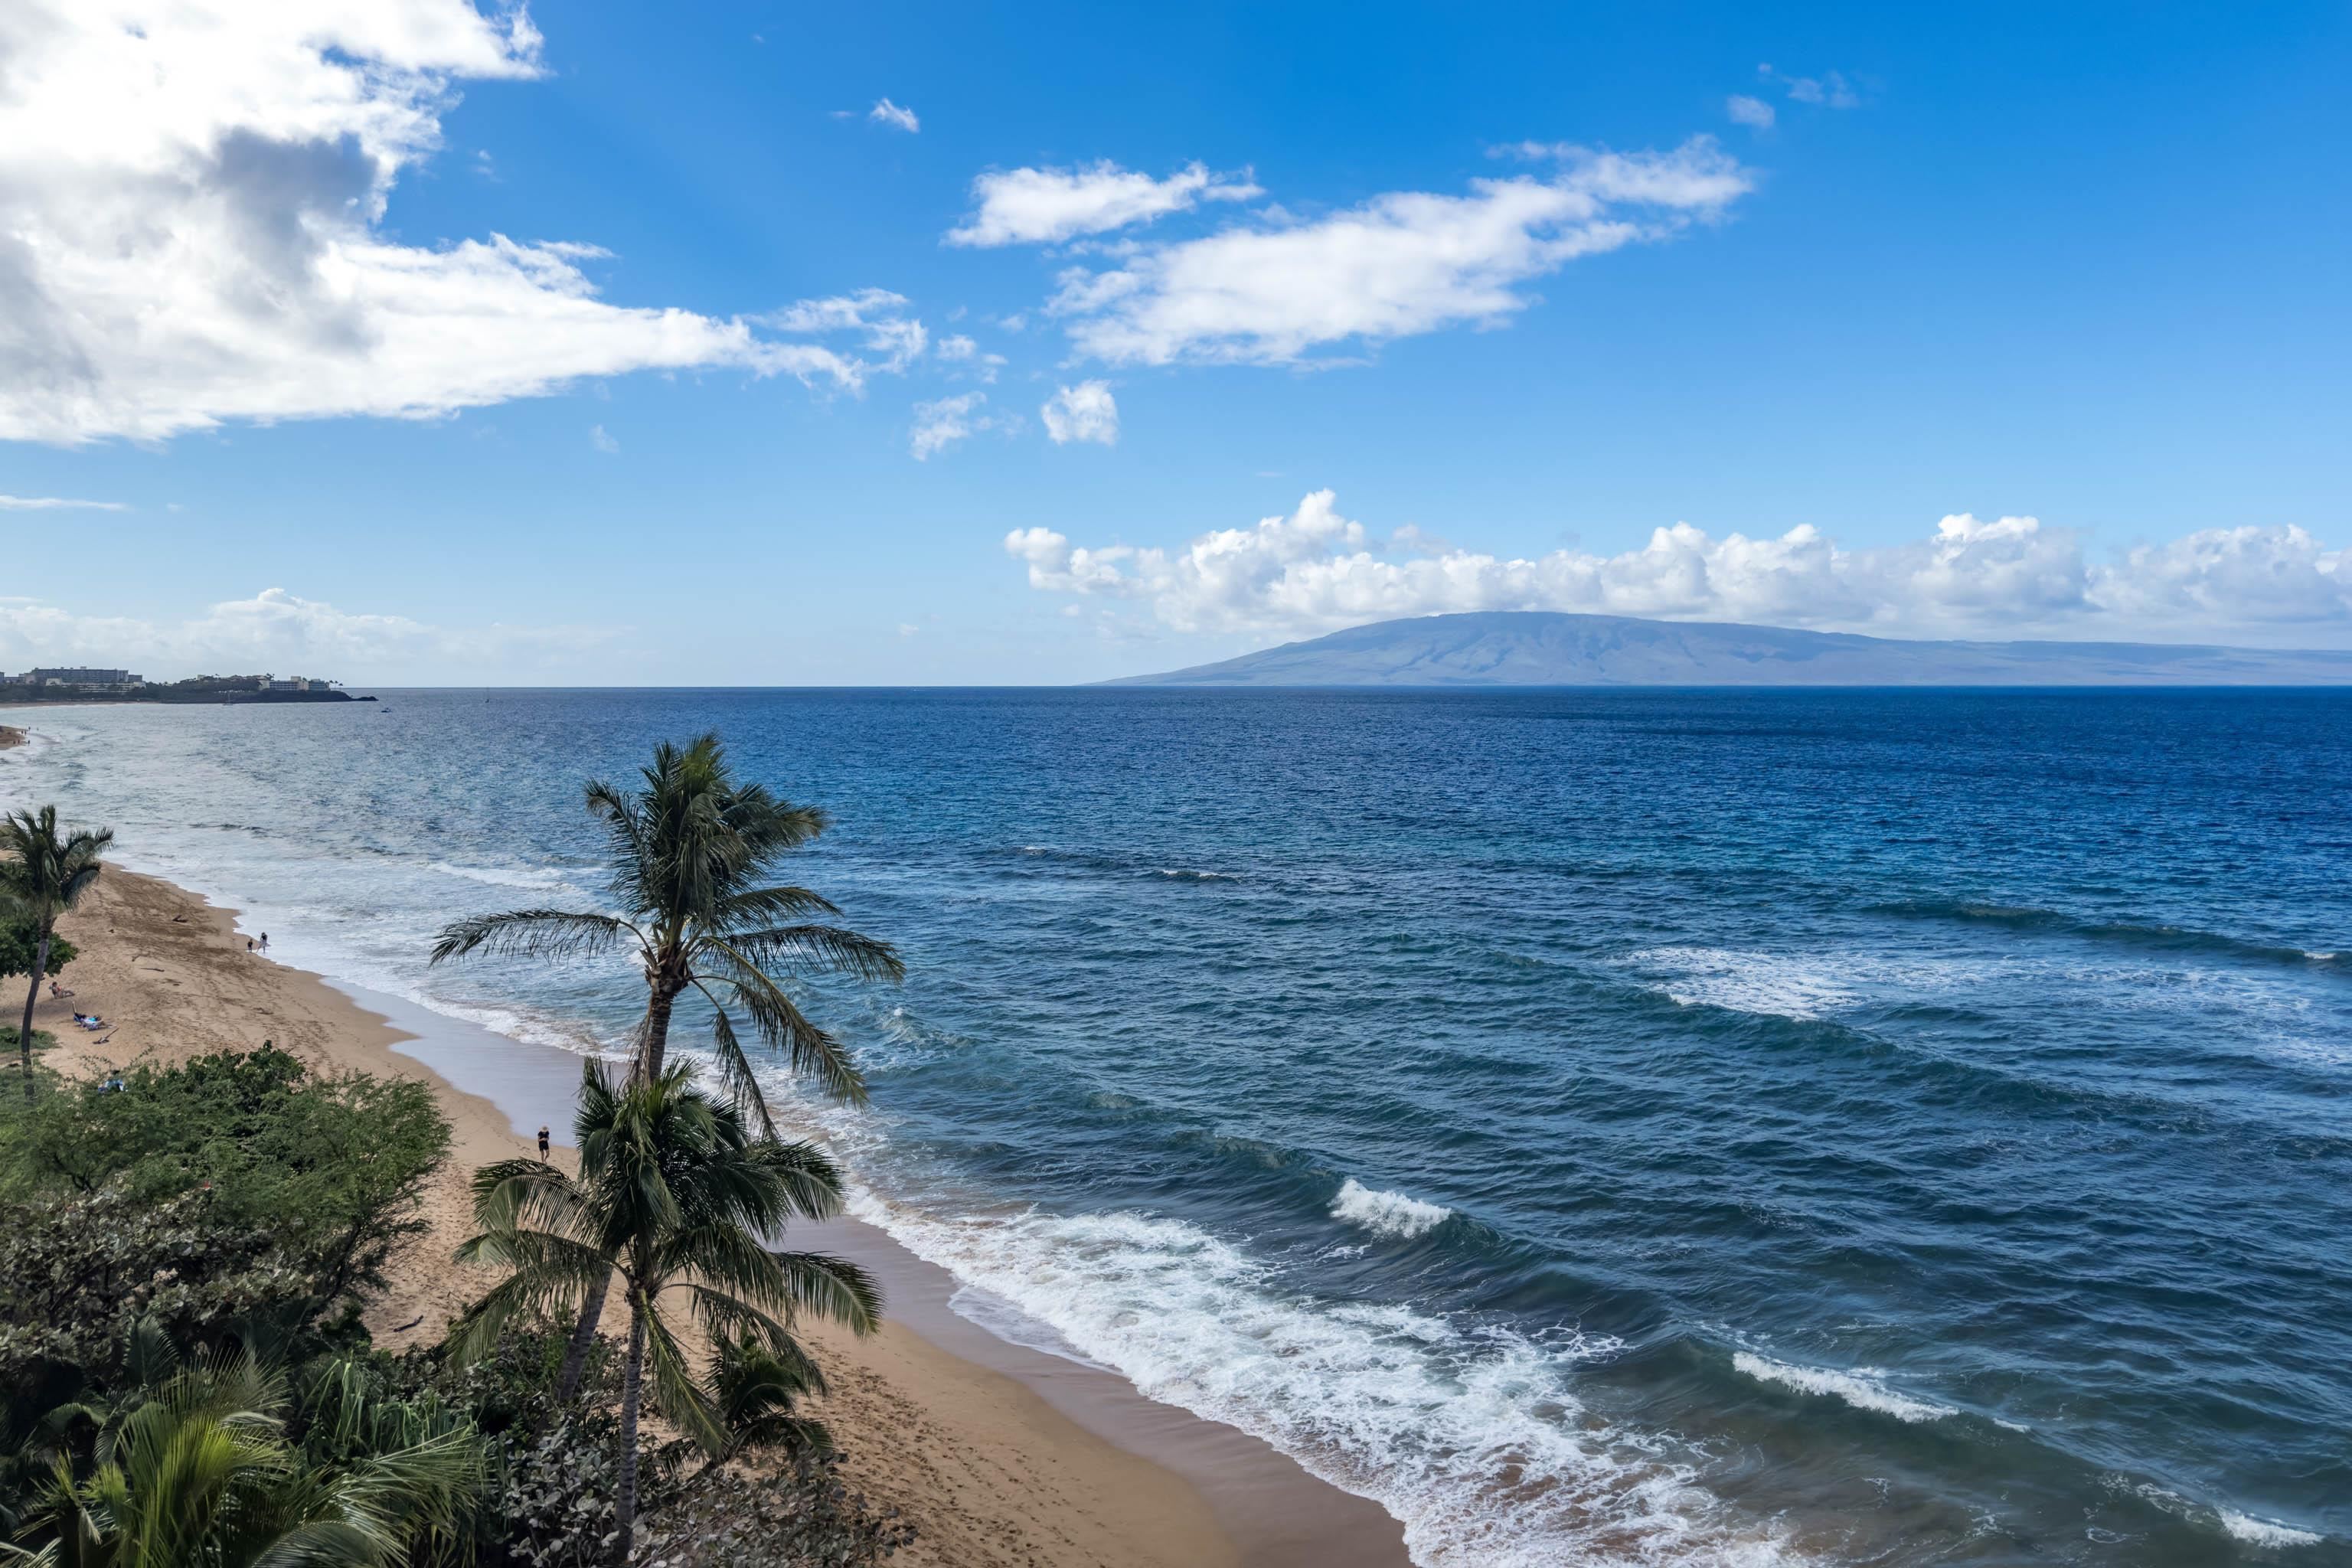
2084,265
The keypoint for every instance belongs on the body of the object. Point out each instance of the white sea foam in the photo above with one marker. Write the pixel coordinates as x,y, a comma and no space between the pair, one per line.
2263,1532
1384,1212
1760,983
1860,1387
1475,1440
503,877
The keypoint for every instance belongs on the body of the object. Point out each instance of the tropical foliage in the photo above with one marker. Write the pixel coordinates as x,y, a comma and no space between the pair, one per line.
689,858
200,1469
20,949
44,872
678,1198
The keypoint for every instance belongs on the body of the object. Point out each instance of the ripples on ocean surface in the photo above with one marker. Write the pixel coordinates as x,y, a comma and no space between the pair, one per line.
1889,1128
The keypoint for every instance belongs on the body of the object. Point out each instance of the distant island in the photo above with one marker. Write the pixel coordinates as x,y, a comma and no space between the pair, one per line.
82,684
1534,648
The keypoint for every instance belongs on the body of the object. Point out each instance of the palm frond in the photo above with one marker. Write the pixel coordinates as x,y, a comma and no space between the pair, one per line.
819,949
535,934
676,1393
782,1027
735,1071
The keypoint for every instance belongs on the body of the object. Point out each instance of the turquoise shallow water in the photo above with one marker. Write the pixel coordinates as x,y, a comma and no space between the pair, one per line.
1902,1128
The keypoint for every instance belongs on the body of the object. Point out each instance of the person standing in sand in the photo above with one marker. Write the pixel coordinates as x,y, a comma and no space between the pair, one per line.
542,1140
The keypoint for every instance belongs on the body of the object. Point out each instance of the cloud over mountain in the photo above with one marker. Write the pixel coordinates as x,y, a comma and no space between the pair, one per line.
1314,571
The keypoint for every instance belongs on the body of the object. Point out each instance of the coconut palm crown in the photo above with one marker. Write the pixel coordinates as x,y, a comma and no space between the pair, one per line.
688,858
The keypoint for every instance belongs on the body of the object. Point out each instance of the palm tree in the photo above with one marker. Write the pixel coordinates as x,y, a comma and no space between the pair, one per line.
687,857
677,1196
203,1475
43,877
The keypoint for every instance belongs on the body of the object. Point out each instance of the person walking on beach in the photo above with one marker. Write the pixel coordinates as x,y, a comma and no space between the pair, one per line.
542,1140
265,942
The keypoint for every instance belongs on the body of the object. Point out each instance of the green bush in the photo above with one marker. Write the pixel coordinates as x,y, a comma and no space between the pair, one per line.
20,940
332,1167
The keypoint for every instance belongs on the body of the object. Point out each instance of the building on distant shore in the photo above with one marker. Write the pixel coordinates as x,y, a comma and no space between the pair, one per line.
74,676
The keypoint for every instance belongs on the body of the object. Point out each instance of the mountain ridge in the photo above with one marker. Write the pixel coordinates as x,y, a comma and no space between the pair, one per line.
1545,648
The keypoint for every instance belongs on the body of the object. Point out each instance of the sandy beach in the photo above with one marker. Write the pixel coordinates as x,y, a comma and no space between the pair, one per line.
994,1473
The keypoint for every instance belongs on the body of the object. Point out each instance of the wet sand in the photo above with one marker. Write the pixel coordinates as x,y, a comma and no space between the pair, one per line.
1003,1456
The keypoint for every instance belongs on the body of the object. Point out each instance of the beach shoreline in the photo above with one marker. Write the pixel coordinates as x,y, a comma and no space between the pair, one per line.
1001,1455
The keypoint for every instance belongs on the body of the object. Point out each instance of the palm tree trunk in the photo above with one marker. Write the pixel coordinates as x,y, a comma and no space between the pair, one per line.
652,1041
625,1506
25,1034
655,1044
584,1334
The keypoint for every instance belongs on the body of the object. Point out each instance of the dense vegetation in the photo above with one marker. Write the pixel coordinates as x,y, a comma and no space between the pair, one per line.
184,1255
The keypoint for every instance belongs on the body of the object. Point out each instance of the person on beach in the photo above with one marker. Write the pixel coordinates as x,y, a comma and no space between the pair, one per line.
265,942
542,1140
248,944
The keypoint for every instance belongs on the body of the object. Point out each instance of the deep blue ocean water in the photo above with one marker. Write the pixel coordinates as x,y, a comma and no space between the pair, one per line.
1675,1127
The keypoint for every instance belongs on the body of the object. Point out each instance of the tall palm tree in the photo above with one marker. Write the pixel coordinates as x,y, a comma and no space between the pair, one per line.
201,1476
687,857
44,876
677,1197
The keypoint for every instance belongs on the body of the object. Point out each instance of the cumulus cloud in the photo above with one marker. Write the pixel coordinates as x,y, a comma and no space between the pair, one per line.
58,503
191,204
279,632
1044,207
1828,91
1086,412
1269,291
886,112
942,421
1315,571
1750,111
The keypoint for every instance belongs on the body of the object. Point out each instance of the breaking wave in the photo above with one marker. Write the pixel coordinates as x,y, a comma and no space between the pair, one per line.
1388,1213
1860,1387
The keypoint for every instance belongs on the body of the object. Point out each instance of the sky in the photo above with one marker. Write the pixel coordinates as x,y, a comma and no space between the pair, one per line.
418,341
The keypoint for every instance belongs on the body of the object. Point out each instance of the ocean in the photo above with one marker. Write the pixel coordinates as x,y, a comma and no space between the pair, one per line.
1662,1127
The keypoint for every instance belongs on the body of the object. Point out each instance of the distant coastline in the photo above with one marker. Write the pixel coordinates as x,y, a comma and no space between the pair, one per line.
34,696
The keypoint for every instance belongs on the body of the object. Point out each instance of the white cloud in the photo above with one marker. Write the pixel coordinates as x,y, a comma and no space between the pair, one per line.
1750,112
1035,206
886,112
942,421
1086,412
281,633
876,315
602,440
1830,89
192,195
58,503
1315,571
1408,262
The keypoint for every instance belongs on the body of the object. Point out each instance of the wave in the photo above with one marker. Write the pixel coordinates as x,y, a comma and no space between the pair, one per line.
2263,1532
1387,1213
2138,933
1180,876
503,877
1473,1438
1859,1387
1764,983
